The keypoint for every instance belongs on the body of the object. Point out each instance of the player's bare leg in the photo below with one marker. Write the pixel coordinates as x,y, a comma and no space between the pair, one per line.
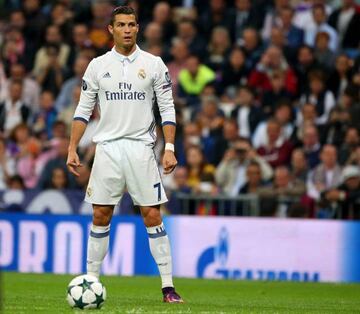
160,250
98,242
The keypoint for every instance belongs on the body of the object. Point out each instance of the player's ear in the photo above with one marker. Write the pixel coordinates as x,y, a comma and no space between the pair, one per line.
110,29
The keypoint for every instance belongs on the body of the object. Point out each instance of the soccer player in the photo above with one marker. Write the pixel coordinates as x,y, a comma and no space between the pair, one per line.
124,81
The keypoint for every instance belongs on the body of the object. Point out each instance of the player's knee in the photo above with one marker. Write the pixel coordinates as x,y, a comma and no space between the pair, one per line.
152,218
101,217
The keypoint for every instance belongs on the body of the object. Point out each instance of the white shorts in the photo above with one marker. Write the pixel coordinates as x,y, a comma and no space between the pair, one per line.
125,164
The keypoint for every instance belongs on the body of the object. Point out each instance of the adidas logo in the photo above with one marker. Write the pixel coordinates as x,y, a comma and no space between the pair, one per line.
107,74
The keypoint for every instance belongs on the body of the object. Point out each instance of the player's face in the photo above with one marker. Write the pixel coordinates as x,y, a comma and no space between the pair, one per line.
124,30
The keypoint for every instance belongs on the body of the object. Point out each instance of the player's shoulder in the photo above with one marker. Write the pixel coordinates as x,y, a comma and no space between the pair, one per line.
149,57
102,60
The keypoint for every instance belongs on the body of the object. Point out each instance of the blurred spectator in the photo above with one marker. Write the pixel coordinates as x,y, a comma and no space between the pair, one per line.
283,116
83,178
31,164
276,94
345,20
294,35
311,145
193,79
18,139
50,75
272,18
53,38
59,179
59,161
30,88
46,116
197,167
67,115
61,17
210,120
326,175
80,40
230,173
3,82
272,60
252,46
341,76
98,32
277,150
304,17
187,31
17,21
320,18
234,71
323,54
247,113
180,186
350,102
65,96
299,167
225,140
334,130
35,20
216,14
350,144
253,179
7,165
162,15
343,201
218,48
322,98
16,182
305,64
246,15
180,52
153,36
284,185
13,111
14,49
59,129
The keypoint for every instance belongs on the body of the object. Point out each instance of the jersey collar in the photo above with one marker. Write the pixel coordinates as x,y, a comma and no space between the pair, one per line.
129,58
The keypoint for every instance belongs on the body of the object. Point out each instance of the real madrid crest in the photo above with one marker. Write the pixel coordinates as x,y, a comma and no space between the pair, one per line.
142,74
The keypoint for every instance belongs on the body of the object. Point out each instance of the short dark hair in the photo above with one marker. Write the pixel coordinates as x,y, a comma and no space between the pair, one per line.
122,10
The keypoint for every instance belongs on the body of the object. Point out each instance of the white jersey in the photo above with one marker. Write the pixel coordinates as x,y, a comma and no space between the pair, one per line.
125,88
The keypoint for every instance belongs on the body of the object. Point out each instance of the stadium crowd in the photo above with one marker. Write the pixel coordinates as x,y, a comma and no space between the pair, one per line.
266,93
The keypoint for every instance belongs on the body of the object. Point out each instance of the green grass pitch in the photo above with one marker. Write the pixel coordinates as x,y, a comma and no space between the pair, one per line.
45,293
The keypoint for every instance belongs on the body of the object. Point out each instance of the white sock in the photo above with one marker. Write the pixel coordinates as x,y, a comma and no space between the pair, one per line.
98,245
161,252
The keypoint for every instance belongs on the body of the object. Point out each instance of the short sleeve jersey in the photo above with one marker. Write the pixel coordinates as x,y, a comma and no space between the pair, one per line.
125,88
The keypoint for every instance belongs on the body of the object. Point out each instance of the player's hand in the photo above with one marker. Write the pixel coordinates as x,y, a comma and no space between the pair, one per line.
73,162
169,161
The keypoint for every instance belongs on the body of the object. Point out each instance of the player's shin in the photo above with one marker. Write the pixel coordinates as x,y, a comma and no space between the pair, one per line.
98,245
160,250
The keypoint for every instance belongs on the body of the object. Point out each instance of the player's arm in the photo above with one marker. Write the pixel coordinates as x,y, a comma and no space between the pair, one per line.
78,128
163,91
82,115
169,160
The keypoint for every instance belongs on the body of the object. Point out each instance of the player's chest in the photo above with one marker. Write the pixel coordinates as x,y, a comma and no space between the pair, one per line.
125,78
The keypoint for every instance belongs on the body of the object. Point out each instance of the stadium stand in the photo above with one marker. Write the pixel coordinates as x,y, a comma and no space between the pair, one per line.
267,95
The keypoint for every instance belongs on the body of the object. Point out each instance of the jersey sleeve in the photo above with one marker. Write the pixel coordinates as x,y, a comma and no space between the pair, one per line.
163,92
88,96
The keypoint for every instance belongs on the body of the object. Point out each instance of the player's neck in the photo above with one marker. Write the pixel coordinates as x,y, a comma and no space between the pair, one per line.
125,51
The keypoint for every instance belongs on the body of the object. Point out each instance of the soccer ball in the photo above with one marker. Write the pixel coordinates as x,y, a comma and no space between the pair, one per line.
86,292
